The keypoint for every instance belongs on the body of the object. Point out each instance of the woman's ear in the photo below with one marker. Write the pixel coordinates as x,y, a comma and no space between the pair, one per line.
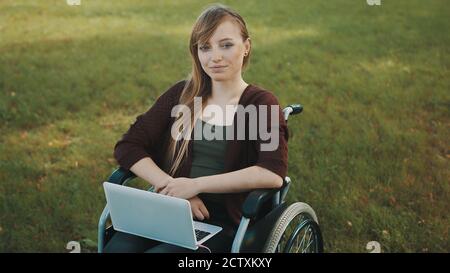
248,44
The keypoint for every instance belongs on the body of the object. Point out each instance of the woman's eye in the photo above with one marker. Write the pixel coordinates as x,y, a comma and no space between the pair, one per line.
204,48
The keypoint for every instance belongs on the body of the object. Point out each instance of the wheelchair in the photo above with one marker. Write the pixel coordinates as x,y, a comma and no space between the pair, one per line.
268,223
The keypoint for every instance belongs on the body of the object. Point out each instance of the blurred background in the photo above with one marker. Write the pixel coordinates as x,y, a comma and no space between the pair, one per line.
370,153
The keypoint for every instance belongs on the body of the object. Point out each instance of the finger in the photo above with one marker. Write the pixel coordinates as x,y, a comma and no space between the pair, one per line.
204,211
164,191
199,214
194,214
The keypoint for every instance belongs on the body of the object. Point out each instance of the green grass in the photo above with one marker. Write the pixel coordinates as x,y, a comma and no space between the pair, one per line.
370,153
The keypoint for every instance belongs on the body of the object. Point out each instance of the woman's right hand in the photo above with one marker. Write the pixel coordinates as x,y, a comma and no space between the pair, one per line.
162,183
199,210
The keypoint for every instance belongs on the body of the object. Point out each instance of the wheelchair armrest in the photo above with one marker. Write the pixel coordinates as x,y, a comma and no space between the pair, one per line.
120,175
255,201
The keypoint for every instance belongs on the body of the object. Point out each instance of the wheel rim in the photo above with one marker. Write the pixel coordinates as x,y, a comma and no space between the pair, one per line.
302,235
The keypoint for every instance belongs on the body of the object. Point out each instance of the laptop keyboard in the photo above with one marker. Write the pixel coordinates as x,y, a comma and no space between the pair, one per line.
200,234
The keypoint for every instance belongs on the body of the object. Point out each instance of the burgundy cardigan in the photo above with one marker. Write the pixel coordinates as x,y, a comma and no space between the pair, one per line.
148,135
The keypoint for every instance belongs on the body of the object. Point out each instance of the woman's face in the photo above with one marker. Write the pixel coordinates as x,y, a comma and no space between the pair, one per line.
222,56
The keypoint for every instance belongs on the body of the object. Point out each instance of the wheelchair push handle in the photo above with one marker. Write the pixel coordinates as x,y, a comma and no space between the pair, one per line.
296,108
292,109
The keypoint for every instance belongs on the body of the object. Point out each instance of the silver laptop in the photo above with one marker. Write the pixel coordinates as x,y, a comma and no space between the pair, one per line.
155,216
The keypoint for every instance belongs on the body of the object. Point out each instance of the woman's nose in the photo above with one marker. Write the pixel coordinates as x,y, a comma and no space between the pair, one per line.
217,56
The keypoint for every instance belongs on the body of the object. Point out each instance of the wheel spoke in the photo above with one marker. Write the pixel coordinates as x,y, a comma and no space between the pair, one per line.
302,241
306,240
297,244
309,239
308,246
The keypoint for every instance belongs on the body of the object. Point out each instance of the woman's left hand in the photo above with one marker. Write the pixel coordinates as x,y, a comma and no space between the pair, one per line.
181,187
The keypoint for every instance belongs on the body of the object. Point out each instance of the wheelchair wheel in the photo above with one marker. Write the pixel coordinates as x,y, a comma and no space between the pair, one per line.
296,231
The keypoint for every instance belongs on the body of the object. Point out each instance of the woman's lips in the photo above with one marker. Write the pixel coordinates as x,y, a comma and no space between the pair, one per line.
217,68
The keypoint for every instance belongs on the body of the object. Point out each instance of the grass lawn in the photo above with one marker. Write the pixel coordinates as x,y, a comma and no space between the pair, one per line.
370,153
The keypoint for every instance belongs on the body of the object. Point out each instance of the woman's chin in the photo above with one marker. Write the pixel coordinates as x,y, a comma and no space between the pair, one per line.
218,77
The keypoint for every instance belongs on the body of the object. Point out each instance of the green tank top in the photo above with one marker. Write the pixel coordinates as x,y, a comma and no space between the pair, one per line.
208,158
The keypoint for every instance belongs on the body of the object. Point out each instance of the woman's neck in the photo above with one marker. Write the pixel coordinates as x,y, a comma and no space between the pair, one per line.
227,91
223,94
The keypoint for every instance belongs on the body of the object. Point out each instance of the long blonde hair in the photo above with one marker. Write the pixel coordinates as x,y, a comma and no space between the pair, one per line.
198,83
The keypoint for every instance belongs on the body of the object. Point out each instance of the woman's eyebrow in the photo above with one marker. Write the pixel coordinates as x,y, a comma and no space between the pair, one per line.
221,40
224,39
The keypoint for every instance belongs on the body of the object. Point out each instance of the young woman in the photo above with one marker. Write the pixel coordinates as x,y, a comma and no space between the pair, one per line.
215,175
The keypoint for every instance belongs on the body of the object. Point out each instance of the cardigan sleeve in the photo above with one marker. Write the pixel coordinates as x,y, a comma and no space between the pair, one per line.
147,130
272,154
